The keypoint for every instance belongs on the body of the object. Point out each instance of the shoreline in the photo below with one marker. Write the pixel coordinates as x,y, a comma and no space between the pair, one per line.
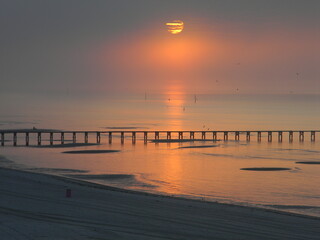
44,202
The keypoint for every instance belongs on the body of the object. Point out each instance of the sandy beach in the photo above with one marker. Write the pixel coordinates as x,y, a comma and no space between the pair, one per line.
35,206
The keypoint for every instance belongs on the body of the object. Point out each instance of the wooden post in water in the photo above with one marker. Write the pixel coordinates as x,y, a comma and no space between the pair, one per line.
248,137
122,137
133,137
39,138
2,139
74,137
269,136
214,136
86,138
14,139
168,135
27,139
98,137
280,136
301,136
145,137
259,136
51,138
225,136
62,138
191,135
203,136
237,136
313,136
110,137
290,136
180,135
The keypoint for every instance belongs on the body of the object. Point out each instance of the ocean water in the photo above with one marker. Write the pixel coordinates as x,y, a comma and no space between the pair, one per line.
205,170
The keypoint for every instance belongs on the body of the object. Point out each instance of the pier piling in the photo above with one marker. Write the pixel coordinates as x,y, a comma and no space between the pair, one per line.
98,137
203,135
290,136
214,136
280,136
248,137
259,136
237,136
168,135
110,137
62,138
74,137
269,136
2,139
301,136
14,139
225,136
51,138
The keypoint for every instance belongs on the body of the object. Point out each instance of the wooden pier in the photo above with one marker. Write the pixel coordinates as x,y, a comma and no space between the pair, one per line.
156,136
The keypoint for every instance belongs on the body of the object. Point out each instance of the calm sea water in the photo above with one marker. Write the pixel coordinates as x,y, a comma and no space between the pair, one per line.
206,170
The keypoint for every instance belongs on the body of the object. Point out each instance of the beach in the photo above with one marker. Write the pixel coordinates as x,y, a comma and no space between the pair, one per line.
35,206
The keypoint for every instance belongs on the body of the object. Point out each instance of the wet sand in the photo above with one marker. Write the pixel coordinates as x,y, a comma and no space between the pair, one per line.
35,206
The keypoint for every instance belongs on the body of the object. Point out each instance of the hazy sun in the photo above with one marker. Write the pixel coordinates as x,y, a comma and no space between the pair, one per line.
175,26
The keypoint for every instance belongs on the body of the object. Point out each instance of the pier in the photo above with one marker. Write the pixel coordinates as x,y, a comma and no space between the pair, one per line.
11,137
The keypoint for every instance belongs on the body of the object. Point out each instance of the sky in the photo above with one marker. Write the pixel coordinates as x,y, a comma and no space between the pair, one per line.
79,47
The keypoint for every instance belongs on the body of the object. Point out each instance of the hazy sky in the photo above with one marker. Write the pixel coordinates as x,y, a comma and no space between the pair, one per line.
100,46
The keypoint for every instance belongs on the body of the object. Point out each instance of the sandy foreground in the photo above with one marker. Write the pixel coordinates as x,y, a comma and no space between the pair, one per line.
35,206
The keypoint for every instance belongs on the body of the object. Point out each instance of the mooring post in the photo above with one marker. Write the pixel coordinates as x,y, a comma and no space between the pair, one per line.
14,139
301,136
133,137
168,135
27,139
110,137
225,136
203,136
214,136
2,139
74,137
51,138
259,136
62,138
237,136
313,136
290,136
280,136
145,137
248,137
122,137
98,137
191,135
180,135
156,135
39,138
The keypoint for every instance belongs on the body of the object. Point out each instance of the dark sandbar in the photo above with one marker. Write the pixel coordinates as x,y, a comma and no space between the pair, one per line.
265,169
91,151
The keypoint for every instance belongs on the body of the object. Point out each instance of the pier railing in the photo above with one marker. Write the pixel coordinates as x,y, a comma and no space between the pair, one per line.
155,136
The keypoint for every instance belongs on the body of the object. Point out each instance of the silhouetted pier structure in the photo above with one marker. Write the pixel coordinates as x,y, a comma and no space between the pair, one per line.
8,135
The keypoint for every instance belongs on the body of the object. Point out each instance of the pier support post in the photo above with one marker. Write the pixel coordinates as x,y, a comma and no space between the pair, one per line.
62,138
133,137
14,139
313,136
301,136
122,137
225,136
191,135
203,136
156,135
74,137
2,139
290,136
145,137
86,138
98,137
168,135
51,138
27,139
237,136
39,138
180,135
214,136
269,136
110,137
259,136
248,137
279,136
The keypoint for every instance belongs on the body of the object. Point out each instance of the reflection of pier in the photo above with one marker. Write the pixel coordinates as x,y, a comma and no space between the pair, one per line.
12,136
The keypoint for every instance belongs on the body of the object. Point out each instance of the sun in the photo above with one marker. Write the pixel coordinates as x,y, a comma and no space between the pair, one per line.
175,27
